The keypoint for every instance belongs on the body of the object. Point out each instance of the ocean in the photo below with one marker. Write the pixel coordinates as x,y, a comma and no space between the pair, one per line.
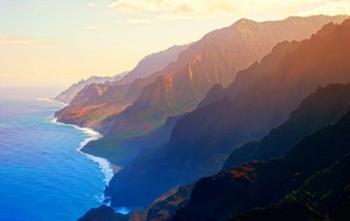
43,176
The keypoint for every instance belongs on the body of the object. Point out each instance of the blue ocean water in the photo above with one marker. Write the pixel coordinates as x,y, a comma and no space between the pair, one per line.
42,175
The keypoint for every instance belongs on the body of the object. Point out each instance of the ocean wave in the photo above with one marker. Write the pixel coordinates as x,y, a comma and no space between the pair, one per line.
92,135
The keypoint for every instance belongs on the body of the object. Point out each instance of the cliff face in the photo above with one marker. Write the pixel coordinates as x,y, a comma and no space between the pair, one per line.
68,95
236,190
214,59
260,99
97,100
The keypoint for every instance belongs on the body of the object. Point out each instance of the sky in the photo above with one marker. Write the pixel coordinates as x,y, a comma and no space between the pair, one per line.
57,42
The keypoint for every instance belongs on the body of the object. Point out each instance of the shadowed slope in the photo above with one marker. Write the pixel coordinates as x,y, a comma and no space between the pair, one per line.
236,190
323,107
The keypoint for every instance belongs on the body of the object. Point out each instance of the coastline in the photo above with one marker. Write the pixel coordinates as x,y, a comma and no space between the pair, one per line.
41,160
105,166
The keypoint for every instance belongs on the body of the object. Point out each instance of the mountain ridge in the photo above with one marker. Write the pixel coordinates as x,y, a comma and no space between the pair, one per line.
325,106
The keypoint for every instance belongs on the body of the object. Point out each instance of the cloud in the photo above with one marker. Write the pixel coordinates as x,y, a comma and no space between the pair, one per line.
6,40
158,10
91,5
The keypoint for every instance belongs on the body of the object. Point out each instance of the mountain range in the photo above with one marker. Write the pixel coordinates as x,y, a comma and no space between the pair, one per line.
215,59
250,122
309,183
135,109
260,99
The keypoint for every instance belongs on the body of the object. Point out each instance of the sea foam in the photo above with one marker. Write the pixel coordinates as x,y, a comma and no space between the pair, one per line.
92,135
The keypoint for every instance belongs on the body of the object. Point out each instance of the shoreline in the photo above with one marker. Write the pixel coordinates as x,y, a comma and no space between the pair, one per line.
108,169
105,166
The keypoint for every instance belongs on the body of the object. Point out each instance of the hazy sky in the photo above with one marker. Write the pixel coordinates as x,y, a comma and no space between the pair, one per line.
57,42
